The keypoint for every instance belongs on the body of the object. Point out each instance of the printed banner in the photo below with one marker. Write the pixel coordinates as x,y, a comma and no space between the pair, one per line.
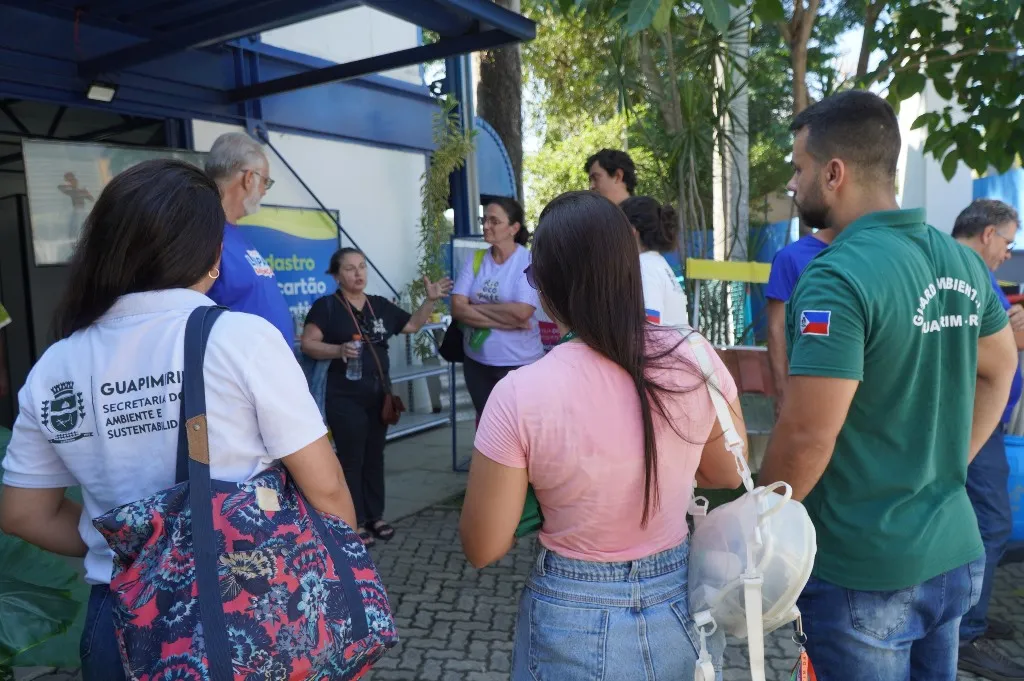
298,244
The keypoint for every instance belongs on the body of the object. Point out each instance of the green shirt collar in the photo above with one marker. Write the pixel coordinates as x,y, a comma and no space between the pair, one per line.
885,218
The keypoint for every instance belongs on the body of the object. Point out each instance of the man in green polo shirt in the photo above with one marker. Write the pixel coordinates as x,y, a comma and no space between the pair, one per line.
900,363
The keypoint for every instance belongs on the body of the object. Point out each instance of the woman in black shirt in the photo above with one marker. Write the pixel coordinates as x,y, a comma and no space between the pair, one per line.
354,407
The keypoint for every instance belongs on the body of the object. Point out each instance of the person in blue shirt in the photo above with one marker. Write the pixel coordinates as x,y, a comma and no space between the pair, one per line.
990,228
787,266
237,164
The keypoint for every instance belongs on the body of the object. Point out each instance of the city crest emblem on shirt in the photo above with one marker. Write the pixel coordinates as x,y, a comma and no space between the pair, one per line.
64,414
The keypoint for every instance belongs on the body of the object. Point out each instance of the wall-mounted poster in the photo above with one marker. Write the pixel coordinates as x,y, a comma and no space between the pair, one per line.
64,179
298,244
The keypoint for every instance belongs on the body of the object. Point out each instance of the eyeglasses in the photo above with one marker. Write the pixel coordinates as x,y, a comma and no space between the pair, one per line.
529,277
1009,242
267,182
492,220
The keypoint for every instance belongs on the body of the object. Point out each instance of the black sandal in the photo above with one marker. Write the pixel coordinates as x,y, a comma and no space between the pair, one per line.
367,538
381,530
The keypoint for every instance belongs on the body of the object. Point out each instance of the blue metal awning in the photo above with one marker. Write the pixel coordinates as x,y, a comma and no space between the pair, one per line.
151,30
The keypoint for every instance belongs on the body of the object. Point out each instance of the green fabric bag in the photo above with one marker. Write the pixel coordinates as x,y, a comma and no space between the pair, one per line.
532,518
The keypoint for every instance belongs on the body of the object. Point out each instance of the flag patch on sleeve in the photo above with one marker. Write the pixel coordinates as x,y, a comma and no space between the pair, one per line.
815,322
653,316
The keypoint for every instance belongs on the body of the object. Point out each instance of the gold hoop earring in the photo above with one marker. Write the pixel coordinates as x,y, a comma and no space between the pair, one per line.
214,273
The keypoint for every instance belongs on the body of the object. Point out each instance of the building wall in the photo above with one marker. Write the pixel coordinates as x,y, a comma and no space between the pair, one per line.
920,179
349,35
375,191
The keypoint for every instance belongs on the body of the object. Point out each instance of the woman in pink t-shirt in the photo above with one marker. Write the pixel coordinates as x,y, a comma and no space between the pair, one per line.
611,428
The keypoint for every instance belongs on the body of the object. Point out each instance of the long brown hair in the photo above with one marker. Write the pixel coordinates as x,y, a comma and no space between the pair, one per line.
586,266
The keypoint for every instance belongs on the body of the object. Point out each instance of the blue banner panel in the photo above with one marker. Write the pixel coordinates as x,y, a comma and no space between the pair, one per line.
297,243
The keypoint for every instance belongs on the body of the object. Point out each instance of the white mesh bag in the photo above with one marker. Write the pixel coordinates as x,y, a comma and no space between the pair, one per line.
750,558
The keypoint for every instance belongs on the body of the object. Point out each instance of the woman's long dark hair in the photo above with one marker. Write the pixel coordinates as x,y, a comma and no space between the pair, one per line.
515,214
657,225
586,266
158,225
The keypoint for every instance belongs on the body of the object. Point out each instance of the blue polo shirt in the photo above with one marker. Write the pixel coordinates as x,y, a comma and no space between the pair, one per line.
247,284
788,264
1018,383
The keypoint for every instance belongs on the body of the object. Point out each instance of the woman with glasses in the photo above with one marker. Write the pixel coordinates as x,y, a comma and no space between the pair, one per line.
493,299
611,428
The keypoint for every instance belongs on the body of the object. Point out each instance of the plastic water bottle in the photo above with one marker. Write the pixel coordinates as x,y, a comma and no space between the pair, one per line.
354,372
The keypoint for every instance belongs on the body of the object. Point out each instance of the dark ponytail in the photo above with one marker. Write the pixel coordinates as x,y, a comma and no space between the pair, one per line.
657,225
587,268
515,214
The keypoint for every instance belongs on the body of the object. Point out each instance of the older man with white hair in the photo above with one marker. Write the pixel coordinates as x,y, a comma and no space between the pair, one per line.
237,164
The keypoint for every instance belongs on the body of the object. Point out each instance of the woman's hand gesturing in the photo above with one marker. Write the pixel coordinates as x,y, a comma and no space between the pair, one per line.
437,290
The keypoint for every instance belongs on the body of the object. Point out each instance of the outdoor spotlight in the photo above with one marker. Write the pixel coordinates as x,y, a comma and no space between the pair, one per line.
101,92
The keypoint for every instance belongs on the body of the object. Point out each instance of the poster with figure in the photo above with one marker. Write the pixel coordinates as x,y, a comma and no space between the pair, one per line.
65,178
297,243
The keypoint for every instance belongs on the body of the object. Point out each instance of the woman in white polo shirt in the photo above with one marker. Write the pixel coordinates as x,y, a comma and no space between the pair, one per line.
100,409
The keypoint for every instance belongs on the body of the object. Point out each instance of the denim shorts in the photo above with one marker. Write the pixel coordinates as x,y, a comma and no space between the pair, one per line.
581,620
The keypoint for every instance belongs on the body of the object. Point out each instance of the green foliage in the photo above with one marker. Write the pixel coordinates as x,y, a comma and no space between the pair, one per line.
559,166
969,52
41,598
567,71
451,147
38,578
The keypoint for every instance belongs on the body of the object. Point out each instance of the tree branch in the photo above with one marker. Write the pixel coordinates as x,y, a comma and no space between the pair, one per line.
808,18
867,42
887,69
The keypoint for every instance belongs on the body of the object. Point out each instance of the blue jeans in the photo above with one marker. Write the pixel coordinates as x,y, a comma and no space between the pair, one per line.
101,659
987,480
608,621
910,634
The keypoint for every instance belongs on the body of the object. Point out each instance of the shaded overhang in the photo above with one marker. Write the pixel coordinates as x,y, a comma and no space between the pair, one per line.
108,38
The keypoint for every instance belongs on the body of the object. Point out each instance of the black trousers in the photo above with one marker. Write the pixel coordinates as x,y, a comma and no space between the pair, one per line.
359,438
480,381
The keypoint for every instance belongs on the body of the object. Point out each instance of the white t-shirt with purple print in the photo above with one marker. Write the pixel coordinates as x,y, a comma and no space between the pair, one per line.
504,283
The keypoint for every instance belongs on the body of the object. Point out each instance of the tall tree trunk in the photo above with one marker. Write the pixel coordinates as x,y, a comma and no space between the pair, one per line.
867,43
797,33
499,97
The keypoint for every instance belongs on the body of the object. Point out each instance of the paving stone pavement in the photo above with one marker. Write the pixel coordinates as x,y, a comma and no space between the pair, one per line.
456,623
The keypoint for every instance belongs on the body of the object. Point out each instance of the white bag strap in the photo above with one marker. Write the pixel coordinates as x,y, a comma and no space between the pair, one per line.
755,625
733,441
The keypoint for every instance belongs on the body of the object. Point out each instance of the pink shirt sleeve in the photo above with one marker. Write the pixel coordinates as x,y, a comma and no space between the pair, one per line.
498,436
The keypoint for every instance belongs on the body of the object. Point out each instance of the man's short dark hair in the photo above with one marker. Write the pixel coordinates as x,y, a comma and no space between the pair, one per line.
856,126
612,160
973,220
